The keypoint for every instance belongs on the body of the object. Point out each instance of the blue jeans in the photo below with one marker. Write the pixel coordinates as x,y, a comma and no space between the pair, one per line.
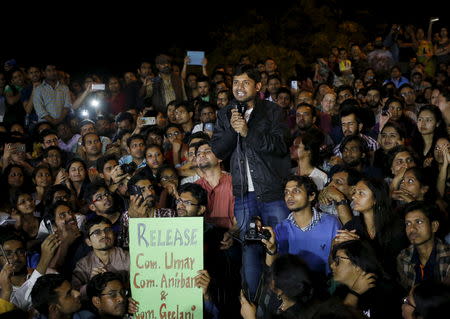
253,255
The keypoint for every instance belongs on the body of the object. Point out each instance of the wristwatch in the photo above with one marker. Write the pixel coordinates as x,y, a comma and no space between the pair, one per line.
341,202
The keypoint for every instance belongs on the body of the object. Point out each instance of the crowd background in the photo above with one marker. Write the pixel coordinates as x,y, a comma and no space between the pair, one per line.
366,135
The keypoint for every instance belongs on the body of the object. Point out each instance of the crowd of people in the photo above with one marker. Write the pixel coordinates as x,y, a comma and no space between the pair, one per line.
324,194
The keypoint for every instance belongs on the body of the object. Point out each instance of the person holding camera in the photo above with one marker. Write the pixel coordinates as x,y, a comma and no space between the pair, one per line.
254,134
307,232
136,151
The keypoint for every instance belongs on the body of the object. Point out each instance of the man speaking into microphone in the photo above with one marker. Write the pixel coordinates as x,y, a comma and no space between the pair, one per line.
255,135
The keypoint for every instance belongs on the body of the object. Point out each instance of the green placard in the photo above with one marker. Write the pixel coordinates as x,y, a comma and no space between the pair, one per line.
165,255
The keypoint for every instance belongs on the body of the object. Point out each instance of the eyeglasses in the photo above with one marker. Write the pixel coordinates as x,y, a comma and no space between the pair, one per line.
98,232
19,253
337,259
173,134
406,301
103,196
185,202
168,178
116,293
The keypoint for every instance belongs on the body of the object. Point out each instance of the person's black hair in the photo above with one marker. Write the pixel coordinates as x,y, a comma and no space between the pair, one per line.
353,175
203,78
163,168
141,176
96,220
445,92
4,176
307,183
395,67
311,107
178,126
50,211
361,254
44,294
200,143
91,189
196,191
155,130
285,91
51,148
83,138
432,300
291,275
38,168
101,162
124,116
122,133
251,72
135,137
406,85
425,177
388,92
20,192
206,105
50,193
98,283
199,134
430,210
76,160
382,210
45,133
441,130
273,76
363,147
312,144
348,108
344,88
187,106
154,146
392,153
393,99
10,234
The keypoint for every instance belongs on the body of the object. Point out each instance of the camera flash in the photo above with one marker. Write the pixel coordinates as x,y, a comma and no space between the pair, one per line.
85,113
95,103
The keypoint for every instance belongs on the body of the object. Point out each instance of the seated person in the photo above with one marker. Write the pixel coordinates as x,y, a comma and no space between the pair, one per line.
307,232
427,258
105,255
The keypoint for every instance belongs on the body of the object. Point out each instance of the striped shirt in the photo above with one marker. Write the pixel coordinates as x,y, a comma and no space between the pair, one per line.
314,220
49,101
371,144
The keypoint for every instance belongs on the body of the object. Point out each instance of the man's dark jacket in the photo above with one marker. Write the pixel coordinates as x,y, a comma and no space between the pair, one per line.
265,147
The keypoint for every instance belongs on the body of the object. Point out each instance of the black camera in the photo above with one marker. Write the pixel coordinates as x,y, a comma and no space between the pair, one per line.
128,168
255,231
134,190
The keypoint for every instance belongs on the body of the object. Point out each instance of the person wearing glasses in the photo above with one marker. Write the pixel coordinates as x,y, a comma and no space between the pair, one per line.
101,202
15,282
362,282
105,255
108,296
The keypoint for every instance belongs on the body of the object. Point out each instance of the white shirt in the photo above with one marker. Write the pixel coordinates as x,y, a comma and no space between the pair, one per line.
250,188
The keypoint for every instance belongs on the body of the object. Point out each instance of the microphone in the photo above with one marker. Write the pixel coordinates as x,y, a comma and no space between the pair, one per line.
241,107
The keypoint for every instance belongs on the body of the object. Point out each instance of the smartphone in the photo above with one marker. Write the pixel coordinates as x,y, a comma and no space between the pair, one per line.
98,87
208,127
4,255
149,120
49,225
294,85
134,190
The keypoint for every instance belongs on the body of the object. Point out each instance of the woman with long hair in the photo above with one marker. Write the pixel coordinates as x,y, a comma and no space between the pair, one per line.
376,223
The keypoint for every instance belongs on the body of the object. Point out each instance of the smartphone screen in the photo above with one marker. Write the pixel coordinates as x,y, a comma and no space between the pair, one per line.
294,85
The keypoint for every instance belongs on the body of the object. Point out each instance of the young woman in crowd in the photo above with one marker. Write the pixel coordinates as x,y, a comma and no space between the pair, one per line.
364,284
376,222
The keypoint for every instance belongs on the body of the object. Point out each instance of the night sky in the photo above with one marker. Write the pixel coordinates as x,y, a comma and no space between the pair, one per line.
112,37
